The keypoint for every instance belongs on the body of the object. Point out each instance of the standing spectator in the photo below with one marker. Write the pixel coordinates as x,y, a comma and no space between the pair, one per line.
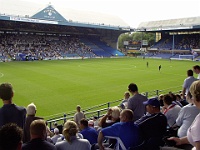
79,115
170,110
153,125
72,141
135,103
10,137
187,82
10,113
125,130
88,133
124,103
196,69
31,111
38,135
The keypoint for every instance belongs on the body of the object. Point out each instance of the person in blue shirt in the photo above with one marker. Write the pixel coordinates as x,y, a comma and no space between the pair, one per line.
88,133
126,130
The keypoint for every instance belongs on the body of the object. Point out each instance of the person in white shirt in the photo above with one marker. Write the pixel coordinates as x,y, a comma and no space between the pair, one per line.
193,133
186,116
170,110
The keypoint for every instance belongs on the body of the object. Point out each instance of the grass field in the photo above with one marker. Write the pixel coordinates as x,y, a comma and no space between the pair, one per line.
58,86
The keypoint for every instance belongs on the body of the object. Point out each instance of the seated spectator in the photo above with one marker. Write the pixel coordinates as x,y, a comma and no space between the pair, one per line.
78,115
186,116
56,135
125,130
170,110
174,101
124,102
31,112
181,100
88,133
10,137
153,125
38,135
161,96
90,123
193,136
10,113
109,119
72,142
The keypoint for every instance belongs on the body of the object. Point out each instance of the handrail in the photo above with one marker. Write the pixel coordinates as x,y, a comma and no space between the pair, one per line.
100,112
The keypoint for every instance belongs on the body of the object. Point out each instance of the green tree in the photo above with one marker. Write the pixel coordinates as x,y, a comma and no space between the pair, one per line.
136,36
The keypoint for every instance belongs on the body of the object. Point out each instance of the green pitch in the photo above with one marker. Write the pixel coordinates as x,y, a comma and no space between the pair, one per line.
58,86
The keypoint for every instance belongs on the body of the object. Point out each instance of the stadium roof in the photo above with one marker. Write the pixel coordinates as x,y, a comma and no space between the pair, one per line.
33,10
171,24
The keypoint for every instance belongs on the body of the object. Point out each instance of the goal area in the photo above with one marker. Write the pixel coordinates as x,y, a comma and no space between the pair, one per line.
186,57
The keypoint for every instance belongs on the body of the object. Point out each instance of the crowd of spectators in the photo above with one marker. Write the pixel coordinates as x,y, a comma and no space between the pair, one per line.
24,45
182,42
160,120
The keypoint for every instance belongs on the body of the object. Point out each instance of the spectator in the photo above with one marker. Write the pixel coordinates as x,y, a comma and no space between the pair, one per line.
38,135
186,116
124,102
179,98
187,82
174,100
135,103
125,130
10,137
56,135
79,115
72,142
161,96
31,111
196,69
109,119
170,110
153,125
90,123
193,136
10,113
88,133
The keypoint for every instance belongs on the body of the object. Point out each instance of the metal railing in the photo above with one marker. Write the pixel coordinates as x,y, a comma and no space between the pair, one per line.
101,109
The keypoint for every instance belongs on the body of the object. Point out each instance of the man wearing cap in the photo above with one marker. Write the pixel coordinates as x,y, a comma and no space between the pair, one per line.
153,125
